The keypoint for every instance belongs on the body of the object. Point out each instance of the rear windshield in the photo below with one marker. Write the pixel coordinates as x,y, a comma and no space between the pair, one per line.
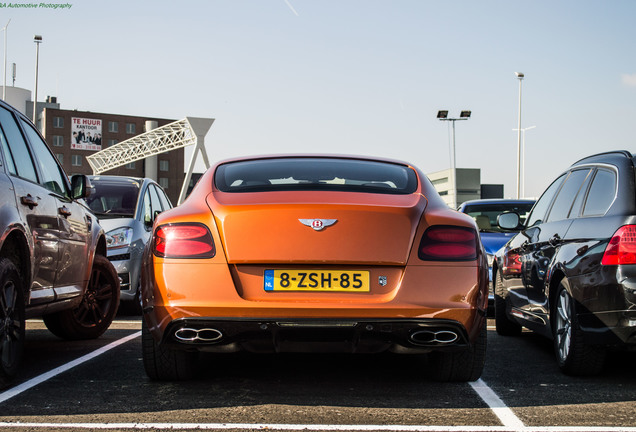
315,174
113,199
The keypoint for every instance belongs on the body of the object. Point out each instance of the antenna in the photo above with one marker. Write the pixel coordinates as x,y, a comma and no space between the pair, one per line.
14,71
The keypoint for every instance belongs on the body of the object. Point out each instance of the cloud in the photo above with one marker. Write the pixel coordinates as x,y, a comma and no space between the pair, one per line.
629,80
291,7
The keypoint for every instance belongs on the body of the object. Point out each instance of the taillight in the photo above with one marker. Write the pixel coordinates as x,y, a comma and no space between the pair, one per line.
511,263
448,243
621,248
184,240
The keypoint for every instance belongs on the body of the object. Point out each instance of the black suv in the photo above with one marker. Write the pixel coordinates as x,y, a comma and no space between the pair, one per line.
52,250
570,274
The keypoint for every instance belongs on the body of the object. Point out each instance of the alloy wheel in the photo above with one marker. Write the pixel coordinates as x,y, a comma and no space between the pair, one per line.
563,325
10,324
95,305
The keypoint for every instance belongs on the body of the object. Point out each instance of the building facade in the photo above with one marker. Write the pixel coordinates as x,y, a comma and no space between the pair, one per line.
72,135
466,185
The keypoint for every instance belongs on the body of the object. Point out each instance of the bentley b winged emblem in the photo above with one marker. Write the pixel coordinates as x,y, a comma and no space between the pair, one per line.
318,224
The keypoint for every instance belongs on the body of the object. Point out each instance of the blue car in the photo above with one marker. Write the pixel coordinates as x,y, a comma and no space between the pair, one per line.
485,212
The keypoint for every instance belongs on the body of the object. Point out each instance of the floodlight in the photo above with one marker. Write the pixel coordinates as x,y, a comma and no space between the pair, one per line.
442,114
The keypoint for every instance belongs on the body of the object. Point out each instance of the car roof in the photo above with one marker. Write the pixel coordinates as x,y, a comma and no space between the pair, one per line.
499,201
606,157
120,179
99,177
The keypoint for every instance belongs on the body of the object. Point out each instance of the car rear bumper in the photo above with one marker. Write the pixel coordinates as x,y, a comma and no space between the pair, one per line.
316,335
606,305
615,328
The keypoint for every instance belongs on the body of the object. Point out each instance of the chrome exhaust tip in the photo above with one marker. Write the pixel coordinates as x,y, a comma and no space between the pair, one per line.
202,335
428,337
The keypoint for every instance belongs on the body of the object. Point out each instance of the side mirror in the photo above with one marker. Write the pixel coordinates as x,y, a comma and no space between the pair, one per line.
148,222
80,186
509,220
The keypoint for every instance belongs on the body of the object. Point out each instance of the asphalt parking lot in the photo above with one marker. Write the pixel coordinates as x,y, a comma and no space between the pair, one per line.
106,388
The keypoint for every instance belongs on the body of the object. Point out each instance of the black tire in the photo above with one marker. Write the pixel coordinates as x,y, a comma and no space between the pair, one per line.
12,321
92,317
504,325
461,366
573,355
136,303
164,364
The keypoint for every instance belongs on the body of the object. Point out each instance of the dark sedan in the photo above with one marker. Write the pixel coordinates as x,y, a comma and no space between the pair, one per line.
570,274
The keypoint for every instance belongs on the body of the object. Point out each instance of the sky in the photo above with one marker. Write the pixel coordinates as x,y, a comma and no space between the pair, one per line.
362,77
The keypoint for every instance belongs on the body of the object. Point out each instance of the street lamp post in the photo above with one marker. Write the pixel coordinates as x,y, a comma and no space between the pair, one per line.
520,77
38,40
523,158
4,83
443,116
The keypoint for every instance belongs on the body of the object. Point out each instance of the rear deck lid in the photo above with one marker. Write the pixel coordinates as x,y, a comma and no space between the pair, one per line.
316,210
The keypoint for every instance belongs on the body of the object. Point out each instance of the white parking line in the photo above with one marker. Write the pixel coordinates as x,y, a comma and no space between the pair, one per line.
50,374
311,427
510,422
498,407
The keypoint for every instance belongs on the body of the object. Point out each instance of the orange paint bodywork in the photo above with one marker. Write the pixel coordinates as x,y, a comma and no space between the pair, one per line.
257,231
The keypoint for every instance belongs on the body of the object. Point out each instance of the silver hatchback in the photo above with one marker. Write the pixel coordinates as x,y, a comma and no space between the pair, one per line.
126,208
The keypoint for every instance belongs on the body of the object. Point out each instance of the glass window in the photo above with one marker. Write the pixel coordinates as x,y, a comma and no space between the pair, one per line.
112,142
164,182
130,128
15,148
130,165
165,201
156,201
164,165
76,160
147,206
58,122
541,207
578,202
7,154
53,178
113,198
601,194
439,181
58,141
567,194
60,157
113,126
318,174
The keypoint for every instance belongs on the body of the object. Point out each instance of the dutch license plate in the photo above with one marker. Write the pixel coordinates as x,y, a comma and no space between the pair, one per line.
314,280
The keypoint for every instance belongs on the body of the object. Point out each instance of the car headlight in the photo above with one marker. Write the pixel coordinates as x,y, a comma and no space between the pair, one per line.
490,259
119,238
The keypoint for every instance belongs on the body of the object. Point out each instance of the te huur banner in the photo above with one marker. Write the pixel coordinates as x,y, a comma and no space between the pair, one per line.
86,134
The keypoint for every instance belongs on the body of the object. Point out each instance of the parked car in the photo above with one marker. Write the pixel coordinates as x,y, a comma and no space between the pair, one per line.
570,273
126,208
493,237
314,254
52,250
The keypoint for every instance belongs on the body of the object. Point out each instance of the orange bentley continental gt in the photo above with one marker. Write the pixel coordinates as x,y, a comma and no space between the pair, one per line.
314,254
